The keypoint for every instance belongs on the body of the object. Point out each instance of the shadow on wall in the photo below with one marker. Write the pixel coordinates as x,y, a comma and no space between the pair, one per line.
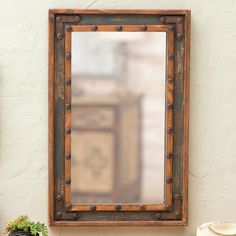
121,231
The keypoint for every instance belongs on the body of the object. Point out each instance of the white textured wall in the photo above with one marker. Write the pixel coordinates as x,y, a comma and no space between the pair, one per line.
23,111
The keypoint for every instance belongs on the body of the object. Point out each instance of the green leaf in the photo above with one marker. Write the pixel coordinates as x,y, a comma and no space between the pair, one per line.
24,224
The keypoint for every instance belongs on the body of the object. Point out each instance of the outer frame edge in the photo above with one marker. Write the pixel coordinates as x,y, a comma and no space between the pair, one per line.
184,221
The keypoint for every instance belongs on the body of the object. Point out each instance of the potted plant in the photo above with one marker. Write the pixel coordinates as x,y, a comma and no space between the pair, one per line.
23,226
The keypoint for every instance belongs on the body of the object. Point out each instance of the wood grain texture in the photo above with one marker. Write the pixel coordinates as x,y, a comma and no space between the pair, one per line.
130,28
117,223
169,118
186,116
67,115
125,207
51,118
127,12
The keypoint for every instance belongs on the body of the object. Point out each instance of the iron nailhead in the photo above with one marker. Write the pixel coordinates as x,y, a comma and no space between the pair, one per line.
68,82
158,216
172,27
169,180
58,19
59,36
118,207
68,156
59,215
59,197
170,56
119,28
169,130
68,130
170,80
93,208
170,106
169,156
178,215
68,206
68,181
167,206
94,28
68,28
68,106
60,67
75,216
68,55
177,196
143,27
180,36
77,19
142,207
162,19
179,20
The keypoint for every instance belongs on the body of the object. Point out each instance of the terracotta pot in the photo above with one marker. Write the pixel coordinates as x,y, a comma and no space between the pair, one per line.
217,228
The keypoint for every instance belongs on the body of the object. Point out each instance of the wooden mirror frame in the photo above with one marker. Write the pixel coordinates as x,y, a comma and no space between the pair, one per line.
176,23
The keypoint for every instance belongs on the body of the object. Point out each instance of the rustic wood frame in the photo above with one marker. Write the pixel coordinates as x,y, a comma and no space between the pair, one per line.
176,23
168,116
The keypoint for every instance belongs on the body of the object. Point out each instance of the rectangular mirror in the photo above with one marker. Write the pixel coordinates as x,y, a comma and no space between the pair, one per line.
118,117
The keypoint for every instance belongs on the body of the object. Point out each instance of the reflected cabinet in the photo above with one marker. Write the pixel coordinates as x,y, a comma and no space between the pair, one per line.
118,117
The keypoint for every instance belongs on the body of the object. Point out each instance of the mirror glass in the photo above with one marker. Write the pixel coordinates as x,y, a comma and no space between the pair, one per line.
118,117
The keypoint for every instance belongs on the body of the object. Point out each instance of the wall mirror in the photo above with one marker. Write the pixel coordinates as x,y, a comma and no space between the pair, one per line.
118,117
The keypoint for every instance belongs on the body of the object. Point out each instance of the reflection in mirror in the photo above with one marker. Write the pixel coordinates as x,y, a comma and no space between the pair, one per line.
118,117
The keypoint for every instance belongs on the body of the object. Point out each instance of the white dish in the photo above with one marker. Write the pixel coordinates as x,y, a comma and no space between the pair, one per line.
217,228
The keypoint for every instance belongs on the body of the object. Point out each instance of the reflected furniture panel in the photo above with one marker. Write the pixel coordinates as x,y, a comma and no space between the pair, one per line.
106,143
